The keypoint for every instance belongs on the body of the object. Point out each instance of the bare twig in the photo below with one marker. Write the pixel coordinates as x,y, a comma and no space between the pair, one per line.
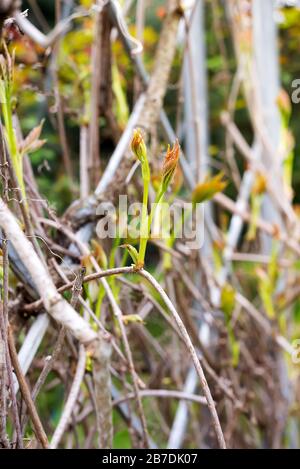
77,286
37,425
56,306
40,38
191,349
163,393
103,401
65,417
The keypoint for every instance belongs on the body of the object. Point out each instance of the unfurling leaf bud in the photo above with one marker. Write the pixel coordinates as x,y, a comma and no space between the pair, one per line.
208,188
170,165
260,184
132,251
138,146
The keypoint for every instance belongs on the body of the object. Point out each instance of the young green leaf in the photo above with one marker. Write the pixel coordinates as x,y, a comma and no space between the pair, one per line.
170,165
208,188
132,252
227,300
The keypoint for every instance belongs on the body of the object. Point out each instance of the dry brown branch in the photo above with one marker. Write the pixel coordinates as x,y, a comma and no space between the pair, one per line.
94,137
213,325
36,422
57,349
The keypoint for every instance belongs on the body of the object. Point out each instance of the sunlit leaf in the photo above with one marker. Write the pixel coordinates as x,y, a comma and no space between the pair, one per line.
227,301
207,189
132,318
265,289
132,251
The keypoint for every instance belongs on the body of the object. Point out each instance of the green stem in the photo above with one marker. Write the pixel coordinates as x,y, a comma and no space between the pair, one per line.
144,230
16,158
158,199
147,221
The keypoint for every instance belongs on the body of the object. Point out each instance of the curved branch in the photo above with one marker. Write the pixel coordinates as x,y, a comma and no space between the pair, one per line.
54,303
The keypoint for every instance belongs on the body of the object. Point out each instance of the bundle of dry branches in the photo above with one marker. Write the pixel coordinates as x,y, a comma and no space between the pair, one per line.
115,343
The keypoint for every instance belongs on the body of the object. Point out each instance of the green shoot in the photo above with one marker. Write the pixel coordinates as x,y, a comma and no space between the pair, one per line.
139,149
6,99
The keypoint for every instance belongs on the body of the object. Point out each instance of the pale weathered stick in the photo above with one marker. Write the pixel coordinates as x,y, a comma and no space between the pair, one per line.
31,344
54,304
79,374
40,38
163,393
103,400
